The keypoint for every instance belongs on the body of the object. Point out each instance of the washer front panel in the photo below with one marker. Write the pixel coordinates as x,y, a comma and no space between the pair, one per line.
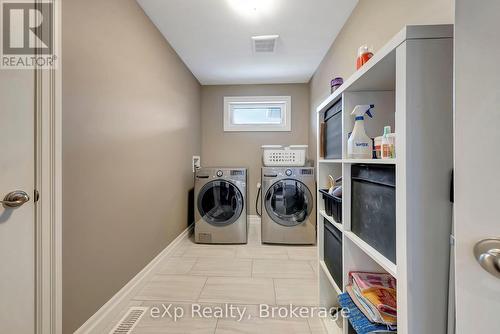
220,203
289,202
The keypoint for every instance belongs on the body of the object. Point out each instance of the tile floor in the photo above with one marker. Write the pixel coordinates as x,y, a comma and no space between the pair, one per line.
240,275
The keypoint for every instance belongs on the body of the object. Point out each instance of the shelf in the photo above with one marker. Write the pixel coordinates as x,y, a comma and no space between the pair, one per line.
409,80
385,263
370,161
331,220
330,161
325,270
359,161
379,73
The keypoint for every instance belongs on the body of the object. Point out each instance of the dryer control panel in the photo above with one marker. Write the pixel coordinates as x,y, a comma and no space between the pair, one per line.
273,172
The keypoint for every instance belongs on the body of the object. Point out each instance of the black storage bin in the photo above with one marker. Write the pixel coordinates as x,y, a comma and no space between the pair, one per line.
333,131
333,205
333,252
373,207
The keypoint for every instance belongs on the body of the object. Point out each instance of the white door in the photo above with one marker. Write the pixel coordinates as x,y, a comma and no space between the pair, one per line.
17,228
477,162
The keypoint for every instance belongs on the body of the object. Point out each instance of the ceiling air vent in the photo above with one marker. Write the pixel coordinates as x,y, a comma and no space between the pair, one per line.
129,320
264,44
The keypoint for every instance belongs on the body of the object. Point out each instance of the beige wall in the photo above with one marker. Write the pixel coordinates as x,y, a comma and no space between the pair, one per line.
131,122
235,149
373,22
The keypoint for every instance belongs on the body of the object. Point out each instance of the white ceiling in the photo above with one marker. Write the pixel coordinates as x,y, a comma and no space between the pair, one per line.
213,37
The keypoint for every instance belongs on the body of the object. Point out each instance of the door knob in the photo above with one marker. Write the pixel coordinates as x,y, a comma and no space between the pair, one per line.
487,253
15,199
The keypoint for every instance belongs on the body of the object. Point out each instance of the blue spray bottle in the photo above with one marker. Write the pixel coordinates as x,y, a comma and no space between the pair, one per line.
359,145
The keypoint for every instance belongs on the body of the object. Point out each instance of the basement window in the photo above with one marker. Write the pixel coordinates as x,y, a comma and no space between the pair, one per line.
257,113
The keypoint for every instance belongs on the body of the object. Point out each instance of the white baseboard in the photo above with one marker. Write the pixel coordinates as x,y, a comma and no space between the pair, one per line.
103,316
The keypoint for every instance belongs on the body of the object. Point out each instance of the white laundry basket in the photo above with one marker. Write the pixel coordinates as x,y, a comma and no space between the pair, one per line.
278,155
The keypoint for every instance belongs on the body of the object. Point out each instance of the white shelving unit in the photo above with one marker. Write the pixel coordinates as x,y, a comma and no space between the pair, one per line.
410,83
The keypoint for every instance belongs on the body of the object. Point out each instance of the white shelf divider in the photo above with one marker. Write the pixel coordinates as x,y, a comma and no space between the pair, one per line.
323,267
371,161
331,220
359,161
375,255
330,161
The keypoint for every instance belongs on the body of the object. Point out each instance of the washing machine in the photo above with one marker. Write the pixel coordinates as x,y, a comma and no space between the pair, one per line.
220,206
288,202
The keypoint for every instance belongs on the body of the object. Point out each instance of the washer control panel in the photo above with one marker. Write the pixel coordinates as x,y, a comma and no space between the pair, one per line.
277,172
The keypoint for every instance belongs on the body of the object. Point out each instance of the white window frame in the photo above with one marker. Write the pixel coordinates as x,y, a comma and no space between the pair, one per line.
286,114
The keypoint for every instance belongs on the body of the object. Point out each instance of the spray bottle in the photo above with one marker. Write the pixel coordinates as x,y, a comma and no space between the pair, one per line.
359,145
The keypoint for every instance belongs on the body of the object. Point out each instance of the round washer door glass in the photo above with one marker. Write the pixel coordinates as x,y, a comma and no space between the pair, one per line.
289,202
220,203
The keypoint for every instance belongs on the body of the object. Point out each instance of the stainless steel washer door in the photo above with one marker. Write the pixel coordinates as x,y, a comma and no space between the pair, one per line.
289,202
220,203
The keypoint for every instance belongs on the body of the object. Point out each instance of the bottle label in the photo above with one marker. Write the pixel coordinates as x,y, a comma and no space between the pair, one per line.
386,151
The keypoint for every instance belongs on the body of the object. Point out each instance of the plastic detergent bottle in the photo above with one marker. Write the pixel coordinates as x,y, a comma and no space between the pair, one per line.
386,145
364,54
359,145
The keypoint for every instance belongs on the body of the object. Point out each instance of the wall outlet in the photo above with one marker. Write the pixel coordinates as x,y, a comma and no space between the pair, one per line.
196,162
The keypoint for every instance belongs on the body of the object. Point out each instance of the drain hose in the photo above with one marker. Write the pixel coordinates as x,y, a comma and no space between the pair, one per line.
257,200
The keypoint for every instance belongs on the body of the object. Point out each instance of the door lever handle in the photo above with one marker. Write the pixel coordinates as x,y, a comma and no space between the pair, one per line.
487,253
15,199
